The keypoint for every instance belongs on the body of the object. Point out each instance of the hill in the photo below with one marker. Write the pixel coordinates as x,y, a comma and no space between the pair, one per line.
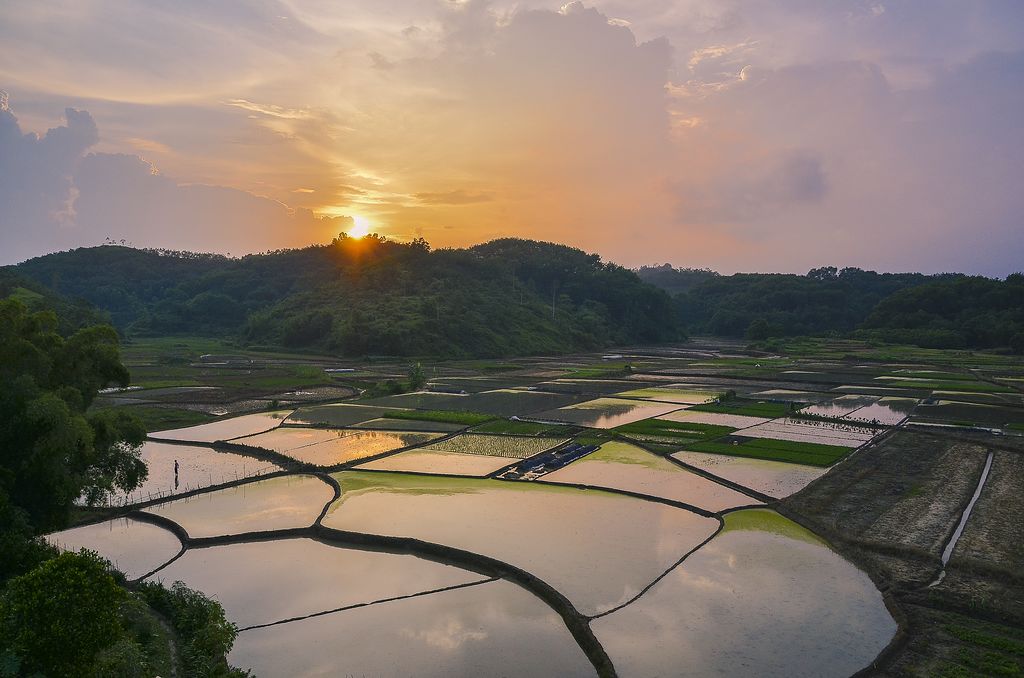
372,296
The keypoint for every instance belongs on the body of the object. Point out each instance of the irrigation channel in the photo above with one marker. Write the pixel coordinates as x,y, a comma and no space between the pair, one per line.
948,551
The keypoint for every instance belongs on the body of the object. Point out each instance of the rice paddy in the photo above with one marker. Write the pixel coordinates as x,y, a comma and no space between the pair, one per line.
635,525
597,548
272,504
134,547
197,467
605,412
226,429
622,466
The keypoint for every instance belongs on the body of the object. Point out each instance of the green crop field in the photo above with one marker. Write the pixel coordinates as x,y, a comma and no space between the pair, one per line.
748,408
813,454
467,418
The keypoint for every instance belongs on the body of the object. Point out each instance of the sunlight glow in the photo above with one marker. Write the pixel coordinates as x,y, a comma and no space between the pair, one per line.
360,227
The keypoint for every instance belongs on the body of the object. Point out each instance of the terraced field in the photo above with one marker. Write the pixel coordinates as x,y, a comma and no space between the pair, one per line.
657,520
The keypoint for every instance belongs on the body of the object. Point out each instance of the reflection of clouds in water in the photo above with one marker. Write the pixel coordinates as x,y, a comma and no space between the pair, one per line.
448,634
752,599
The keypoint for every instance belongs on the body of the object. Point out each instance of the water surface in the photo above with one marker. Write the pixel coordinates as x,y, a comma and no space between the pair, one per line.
443,463
622,466
775,478
197,467
595,547
264,582
226,429
606,412
493,629
808,431
272,504
134,547
765,597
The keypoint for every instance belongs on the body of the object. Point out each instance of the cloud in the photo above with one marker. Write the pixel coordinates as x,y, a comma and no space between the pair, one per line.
738,134
456,197
55,197
36,180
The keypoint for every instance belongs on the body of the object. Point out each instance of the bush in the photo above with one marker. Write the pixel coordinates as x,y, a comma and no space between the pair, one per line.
205,633
57,618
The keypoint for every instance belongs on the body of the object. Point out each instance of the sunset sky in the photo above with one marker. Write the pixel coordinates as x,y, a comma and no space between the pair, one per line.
760,135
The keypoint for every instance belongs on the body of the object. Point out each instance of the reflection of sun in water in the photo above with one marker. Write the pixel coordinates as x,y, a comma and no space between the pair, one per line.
360,227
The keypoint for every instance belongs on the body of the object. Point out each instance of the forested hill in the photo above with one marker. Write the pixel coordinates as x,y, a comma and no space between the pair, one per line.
948,310
372,296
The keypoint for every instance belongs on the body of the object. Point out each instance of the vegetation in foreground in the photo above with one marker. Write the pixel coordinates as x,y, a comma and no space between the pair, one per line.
70,614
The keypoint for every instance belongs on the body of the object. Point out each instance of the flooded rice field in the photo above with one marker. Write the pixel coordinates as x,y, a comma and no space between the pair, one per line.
622,466
606,412
502,524
491,629
839,407
808,431
265,582
226,429
596,548
440,463
337,414
134,547
331,447
272,504
197,467
672,394
776,479
765,597
713,418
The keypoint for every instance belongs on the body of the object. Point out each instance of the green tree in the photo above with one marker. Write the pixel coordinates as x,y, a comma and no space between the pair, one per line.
53,451
58,617
417,378
205,633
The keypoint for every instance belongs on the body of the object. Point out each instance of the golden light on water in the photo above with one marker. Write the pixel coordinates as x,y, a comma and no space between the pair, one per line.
360,227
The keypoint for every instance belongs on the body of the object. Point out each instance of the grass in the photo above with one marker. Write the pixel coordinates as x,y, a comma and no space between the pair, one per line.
949,376
467,418
812,454
520,428
1015,427
951,385
662,429
600,371
162,418
748,408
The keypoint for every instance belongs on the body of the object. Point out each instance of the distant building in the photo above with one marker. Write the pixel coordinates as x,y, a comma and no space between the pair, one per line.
4,101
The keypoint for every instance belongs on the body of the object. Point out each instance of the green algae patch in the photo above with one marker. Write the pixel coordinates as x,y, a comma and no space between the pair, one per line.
766,520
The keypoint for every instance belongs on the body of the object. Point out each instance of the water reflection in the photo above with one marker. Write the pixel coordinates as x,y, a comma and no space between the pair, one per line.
494,629
197,467
444,463
606,412
764,598
225,429
597,548
263,582
134,547
774,478
623,466
273,504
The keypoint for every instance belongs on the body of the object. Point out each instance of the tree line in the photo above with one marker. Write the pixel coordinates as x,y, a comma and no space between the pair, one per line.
947,310
371,295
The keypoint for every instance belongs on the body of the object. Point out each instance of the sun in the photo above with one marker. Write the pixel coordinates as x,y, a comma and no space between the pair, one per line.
360,227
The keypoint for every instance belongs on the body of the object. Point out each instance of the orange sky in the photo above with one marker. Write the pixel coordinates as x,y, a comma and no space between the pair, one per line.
737,135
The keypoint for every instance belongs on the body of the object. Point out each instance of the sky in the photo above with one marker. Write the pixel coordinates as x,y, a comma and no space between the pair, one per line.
737,135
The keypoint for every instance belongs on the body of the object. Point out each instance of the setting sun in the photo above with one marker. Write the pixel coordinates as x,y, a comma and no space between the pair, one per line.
360,227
